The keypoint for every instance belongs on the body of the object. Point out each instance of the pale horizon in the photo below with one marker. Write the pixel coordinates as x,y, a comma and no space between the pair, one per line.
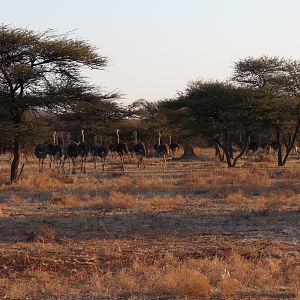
156,47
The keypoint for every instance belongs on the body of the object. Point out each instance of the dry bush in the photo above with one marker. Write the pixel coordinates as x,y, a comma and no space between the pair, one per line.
20,289
257,203
229,287
144,185
41,182
195,180
66,200
128,201
236,198
166,202
127,282
223,182
121,200
41,285
182,281
167,275
244,177
47,234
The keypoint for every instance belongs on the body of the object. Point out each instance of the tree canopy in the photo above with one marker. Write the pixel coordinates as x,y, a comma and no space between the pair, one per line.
43,70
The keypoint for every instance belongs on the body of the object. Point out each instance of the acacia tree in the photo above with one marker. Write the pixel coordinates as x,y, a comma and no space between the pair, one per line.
39,70
219,111
150,118
278,81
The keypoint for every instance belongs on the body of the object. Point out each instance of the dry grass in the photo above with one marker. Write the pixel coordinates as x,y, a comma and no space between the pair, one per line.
198,230
165,276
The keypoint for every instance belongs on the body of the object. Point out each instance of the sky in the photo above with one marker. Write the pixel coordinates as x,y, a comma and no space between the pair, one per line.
156,47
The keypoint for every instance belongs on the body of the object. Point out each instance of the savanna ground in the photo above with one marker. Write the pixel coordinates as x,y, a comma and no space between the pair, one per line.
197,231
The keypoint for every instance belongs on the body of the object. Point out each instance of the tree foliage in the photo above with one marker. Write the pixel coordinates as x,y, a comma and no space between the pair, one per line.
278,80
43,70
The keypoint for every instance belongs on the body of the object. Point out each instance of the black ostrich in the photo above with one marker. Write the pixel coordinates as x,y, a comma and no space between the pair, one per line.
173,146
94,151
162,150
253,146
121,149
51,150
112,148
102,152
41,152
55,152
140,150
59,153
72,154
83,151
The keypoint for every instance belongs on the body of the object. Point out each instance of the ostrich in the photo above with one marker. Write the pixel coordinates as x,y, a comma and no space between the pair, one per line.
173,146
72,152
121,149
253,146
51,149
112,148
102,152
58,152
140,150
41,152
162,150
83,151
93,150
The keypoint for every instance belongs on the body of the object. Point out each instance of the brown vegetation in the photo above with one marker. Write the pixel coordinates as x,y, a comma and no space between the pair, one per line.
196,231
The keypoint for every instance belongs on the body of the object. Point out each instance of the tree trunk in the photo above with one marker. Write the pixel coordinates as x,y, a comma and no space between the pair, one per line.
188,151
230,148
289,145
16,160
218,152
278,139
227,148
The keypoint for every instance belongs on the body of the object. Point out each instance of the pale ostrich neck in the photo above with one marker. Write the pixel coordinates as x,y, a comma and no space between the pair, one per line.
54,138
118,138
82,136
159,139
135,137
170,137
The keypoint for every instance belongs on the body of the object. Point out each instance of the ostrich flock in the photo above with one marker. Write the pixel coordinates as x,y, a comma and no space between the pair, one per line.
62,149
